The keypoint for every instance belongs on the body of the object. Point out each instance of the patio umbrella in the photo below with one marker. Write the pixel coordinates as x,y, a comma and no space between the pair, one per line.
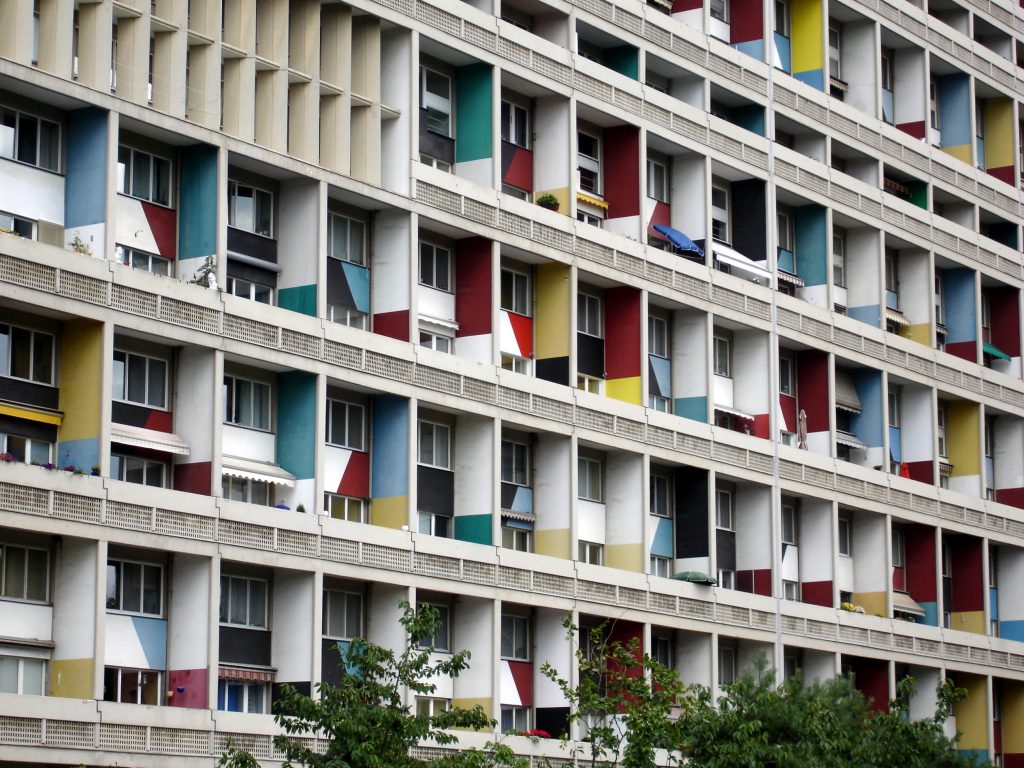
801,430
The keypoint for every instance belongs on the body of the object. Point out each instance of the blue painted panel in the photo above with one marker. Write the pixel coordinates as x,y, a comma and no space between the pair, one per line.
662,543
152,634
955,110
358,279
296,424
931,614
197,219
754,48
961,318
522,524
990,471
784,58
993,602
811,239
750,118
786,261
870,314
523,500
84,201
390,447
888,109
695,408
1012,630
892,300
867,425
84,453
895,449
814,78
661,376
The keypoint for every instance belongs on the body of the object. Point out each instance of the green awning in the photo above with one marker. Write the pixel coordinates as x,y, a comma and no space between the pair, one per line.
696,577
993,351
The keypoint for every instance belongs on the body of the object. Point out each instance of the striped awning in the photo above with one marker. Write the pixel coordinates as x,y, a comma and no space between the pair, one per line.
154,440
845,438
248,674
526,517
248,469
30,413
895,317
904,603
846,393
789,277
734,412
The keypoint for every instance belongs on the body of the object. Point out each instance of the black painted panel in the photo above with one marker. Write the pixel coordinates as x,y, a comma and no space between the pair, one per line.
435,491
338,290
330,664
251,273
554,720
130,414
725,549
251,244
30,429
554,369
434,144
590,355
691,528
239,645
305,687
29,393
749,216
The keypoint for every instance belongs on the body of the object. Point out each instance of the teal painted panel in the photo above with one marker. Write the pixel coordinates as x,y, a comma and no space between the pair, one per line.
152,635
750,118
695,408
389,447
474,121
301,298
811,244
661,544
84,202
296,424
358,279
624,59
197,219
867,425
473,528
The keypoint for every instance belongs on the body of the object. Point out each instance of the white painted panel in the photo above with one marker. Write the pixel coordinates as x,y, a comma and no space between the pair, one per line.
473,627
74,614
131,226
198,388
335,462
478,171
249,443
871,573
476,348
32,193
723,391
509,693
123,647
189,596
791,564
392,241
753,527
551,649
819,443
814,294
437,304
918,425
844,573
816,540
689,354
629,226
507,341
624,520
751,390
26,621
591,521
292,643
969,485
474,468
551,487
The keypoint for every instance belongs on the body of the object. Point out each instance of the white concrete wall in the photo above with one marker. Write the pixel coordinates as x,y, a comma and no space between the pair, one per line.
393,242
398,77
551,648
32,193
624,499
552,130
197,394
188,635
474,466
750,372
292,621
752,508
815,540
473,625
870,554
689,353
249,443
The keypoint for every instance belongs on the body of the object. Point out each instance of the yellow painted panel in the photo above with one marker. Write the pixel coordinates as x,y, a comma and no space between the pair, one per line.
808,29
30,414
554,543
998,117
71,678
920,332
468,703
873,603
390,512
962,152
628,390
1013,718
81,358
627,557
968,621
962,441
971,713
552,331
563,195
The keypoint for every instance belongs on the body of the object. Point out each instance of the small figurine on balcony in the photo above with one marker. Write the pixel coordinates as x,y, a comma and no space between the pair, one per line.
206,275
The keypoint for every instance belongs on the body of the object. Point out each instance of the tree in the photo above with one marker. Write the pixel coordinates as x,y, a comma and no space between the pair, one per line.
365,720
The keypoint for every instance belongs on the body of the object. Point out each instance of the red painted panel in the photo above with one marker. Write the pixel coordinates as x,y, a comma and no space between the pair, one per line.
872,679
763,582
193,478
965,350
160,421
997,736
812,387
522,327
164,224
788,405
625,632
746,21
395,324
817,593
662,214
622,170
473,286
356,480
1004,174
1012,496
922,471
919,548
761,428
679,6
522,675
1013,760
187,688
1005,327
968,584
915,129
745,581
622,332
520,171
899,579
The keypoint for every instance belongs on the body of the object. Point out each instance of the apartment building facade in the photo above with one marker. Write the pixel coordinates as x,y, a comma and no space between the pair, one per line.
285,339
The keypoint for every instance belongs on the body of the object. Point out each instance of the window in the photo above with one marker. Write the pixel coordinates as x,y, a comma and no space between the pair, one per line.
29,139
515,637
248,289
515,292
588,162
845,531
933,103
250,209
345,507
786,366
238,696
898,548
16,224
243,601
894,406
839,259
723,510
26,450
147,262
986,311
720,212
133,469
987,437
789,524
518,539
515,124
592,553
590,479
434,524
993,567
434,442
345,424
835,50
591,384
784,222
515,463
661,566
144,176
657,180
436,341
587,217
886,71
135,587
940,299
726,665
720,10
940,419
515,718
661,495
657,335
434,162
132,686
346,239
246,403
661,650
436,98
782,17
791,591
431,706
346,316
435,266
343,614
26,354
723,355
588,315
139,379
24,573
440,640
726,578
22,675
515,363
891,278
244,489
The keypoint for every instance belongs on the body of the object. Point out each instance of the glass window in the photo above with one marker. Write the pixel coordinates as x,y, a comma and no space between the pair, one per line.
898,559
132,686
786,375
886,71
845,536
720,213
785,227
661,495
346,239
720,10
515,463
726,665
144,176
345,424
29,139
139,379
24,573
134,587
147,262
248,289
239,696
518,539
435,267
839,259
436,99
515,124
515,718
723,355
590,479
343,614
17,225
133,469
657,180
782,17
894,406
26,450
515,292
835,57
589,162
589,315
789,524
247,490
515,637
440,640
353,318
26,354
345,507
243,601
436,341
22,675
657,335
246,403
515,363
590,552
661,566
250,209
723,510
940,419
726,578
434,442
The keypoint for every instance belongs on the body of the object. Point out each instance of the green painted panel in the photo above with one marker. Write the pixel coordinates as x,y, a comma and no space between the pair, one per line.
474,120
301,298
473,528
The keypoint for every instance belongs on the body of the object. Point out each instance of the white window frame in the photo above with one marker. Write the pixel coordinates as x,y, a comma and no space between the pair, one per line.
658,335
590,552
21,595
511,130
895,404
886,71
431,706
784,224
436,104
516,628
262,424
247,490
22,674
515,718
844,535
781,20
719,9
439,342
126,181
442,639
226,580
726,578
520,298
6,359
726,665
516,539
934,104
516,364
346,596
31,447
590,164
787,379
121,672
433,274
353,417
261,293
18,225
519,453
791,590
257,193
725,515
157,398
940,298
251,704
839,258
660,495
590,314
790,524
722,357
590,479
899,551
119,564
144,260
592,384
347,316
721,224
657,180
439,437
940,429
661,566
435,162
121,465
342,507
9,138
835,49
354,238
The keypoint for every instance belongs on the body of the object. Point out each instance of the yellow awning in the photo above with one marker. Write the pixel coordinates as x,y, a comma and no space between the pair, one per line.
29,413
594,201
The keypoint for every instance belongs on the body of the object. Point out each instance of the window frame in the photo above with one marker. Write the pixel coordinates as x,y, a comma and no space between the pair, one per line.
444,630
780,22
20,674
894,404
724,213
148,360
844,535
515,712
725,514
19,225
660,501
16,135
233,187
722,355
838,258
520,637
227,594
120,673
787,378
509,123
118,564
119,469
7,364
248,688
726,663
261,293
585,303
435,435
23,597
898,547
126,177
940,430
521,292
269,411
516,536
655,190
249,485
790,528
333,218
434,102
346,440
517,470
661,566
30,444
836,63
329,594
127,256
590,552
347,316
591,164
594,469
331,498
659,342
435,279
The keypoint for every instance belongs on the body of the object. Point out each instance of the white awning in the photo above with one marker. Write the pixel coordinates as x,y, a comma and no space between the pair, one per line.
438,325
788,277
738,261
526,517
846,393
234,466
893,316
845,438
154,440
904,603
734,412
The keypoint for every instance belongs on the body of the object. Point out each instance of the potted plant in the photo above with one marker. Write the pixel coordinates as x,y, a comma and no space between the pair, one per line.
78,245
549,201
